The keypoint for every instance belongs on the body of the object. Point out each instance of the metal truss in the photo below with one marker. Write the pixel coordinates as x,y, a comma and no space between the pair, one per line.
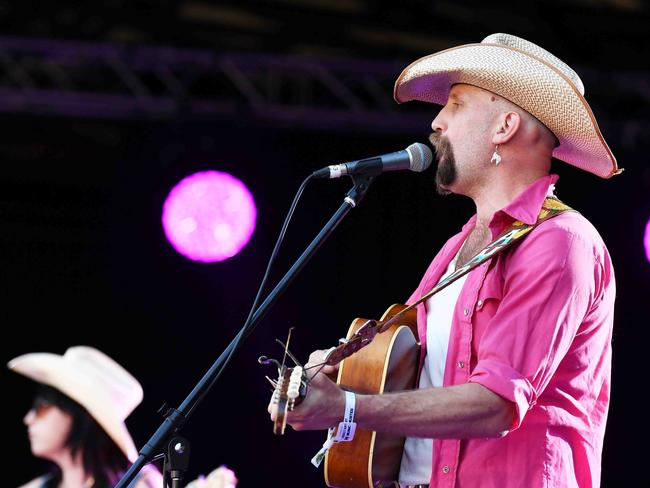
112,81
138,82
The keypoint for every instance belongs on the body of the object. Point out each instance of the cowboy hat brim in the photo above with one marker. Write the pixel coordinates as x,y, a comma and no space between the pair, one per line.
526,80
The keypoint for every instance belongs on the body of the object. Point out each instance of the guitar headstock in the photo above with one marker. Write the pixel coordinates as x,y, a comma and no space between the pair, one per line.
288,390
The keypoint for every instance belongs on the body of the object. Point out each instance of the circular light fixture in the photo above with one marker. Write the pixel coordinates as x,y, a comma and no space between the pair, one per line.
209,216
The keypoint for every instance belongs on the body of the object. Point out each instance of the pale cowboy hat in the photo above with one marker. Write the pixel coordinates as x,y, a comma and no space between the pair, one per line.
529,77
104,388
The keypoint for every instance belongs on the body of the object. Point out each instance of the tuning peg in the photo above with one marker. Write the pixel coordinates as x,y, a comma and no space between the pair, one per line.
266,360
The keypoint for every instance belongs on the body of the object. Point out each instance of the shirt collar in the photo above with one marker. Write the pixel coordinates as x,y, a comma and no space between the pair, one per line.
526,206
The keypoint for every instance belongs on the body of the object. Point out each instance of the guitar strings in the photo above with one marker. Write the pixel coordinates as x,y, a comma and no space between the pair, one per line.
288,353
286,346
319,366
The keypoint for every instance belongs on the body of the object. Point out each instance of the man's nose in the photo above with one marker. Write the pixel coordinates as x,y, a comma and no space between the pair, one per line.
438,125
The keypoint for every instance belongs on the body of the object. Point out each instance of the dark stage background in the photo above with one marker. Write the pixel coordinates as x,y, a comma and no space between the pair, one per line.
84,260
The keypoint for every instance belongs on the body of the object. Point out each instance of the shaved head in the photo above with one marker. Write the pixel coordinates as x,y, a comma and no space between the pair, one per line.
532,128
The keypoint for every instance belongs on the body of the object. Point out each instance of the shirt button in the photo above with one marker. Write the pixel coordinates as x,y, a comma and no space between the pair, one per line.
461,364
479,304
466,312
445,469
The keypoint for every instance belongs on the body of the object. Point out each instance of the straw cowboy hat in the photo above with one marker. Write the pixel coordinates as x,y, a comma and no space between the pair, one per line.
529,77
104,388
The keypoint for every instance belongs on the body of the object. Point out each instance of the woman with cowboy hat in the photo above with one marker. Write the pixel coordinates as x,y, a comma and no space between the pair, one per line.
77,418
515,362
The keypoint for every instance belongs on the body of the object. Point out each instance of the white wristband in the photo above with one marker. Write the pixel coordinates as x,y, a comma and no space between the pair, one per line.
344,432
347,427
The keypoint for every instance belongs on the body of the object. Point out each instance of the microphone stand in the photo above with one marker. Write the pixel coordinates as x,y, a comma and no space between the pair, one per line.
175,418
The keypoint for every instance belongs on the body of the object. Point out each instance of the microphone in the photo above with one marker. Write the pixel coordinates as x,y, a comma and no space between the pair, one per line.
417,157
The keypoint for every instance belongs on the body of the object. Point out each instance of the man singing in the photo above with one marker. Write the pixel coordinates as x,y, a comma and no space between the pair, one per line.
514,381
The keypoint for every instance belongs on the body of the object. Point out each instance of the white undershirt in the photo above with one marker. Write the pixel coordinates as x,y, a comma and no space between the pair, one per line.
418,452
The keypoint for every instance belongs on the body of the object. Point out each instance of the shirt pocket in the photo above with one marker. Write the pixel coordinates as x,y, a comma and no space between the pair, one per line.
489,298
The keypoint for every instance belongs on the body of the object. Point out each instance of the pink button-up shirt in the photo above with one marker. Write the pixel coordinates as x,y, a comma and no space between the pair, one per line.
533,325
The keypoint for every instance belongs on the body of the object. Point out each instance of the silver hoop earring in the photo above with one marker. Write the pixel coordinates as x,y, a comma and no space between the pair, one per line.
496,157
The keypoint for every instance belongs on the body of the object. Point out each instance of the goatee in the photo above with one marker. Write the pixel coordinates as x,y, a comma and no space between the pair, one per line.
446,172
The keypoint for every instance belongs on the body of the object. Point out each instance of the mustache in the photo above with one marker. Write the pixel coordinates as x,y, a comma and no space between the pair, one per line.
441,145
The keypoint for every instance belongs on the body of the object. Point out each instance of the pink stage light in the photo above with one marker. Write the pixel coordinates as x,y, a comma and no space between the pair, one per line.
646,240
209,216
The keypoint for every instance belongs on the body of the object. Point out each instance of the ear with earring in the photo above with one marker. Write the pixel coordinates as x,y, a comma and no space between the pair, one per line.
496,157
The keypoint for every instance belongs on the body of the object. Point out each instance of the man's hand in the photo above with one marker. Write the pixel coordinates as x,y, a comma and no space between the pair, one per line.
318,357
324,405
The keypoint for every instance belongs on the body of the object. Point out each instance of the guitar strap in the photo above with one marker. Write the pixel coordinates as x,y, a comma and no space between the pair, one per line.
514,233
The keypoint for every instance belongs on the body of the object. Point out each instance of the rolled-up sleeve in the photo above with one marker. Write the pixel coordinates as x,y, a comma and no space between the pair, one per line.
549,283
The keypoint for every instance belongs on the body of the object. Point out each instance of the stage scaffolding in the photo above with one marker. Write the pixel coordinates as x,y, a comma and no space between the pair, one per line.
136,82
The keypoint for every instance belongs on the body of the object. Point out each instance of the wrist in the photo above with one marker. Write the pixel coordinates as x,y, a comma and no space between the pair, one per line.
337,409
350,407
346,428
361,408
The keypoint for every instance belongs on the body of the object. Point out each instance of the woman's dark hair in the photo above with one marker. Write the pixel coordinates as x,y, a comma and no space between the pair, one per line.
101,457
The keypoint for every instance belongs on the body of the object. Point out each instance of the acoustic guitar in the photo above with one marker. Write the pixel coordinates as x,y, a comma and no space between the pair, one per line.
387,362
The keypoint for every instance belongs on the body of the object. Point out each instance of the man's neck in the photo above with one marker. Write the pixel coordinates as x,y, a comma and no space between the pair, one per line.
499,193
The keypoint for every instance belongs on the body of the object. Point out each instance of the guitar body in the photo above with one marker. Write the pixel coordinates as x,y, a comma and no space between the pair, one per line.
388,363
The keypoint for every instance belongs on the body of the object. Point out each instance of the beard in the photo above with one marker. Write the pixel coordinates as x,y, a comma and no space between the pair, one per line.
446,173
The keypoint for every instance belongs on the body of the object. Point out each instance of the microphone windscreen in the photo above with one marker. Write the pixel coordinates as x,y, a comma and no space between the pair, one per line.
420,156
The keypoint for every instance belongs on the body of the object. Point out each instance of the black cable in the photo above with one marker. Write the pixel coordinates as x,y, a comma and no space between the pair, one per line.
234,345
276,248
